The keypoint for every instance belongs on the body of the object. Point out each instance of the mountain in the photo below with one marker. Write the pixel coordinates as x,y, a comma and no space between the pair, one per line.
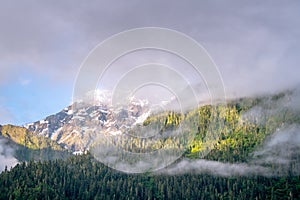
243,125
76,126
255,156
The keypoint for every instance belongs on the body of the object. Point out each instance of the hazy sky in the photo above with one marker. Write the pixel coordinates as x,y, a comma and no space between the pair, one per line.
256,45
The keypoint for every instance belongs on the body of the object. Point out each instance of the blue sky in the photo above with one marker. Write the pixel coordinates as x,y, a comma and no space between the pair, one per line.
30,97
256,45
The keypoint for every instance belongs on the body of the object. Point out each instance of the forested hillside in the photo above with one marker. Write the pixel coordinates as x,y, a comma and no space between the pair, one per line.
81,177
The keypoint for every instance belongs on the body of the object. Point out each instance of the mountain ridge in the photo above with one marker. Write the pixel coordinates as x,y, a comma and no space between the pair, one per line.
74,129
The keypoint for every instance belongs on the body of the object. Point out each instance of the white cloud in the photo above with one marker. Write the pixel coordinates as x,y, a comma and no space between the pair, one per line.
25,82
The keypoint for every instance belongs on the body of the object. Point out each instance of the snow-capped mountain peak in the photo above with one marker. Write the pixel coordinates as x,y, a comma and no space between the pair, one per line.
77,125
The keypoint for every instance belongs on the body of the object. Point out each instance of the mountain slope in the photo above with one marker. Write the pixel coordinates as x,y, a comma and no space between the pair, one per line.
23,145
24,137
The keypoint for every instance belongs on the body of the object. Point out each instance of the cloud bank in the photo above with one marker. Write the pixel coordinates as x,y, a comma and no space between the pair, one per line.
215,168
6,155
255,44
282,150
